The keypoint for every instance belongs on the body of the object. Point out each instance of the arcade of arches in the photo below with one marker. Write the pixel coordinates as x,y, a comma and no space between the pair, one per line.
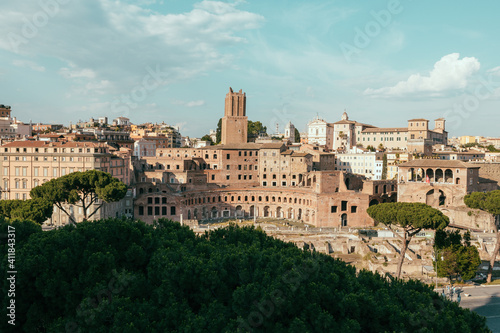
347,209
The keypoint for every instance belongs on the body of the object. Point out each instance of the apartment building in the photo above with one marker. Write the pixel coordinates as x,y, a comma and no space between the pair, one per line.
27,164
221,164
388,138
144,148
361,162
121,138
417,137
394,159
347,133
461,156
281,167
11,128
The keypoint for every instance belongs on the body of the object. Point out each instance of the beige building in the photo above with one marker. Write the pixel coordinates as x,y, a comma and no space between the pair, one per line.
319,132
160,140
416,138
466,139
388,138
11,128
322,159
443,184
280,167
144,148
27,164
461,156
394,159
358,161
347,133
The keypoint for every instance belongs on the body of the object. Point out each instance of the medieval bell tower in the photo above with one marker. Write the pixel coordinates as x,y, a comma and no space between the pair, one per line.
235,121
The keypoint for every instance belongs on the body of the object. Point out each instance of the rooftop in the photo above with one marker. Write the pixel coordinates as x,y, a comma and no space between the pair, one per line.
385,129
434,163
71,144
235,146
276,145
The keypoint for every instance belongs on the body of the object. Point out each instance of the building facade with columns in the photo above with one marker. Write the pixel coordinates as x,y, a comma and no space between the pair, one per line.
443,184
319,132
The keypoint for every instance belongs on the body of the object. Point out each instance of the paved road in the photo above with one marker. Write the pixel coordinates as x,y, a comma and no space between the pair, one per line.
485,301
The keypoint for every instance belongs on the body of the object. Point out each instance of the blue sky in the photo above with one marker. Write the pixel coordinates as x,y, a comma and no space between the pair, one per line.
174,61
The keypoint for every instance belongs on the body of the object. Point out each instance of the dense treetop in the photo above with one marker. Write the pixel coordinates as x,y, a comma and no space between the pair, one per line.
412,217
37,210
82,189
125,276
489,201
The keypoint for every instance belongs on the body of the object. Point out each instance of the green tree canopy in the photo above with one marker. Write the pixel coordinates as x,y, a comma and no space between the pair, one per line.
37,210
82,189
492,149
455,255
490,203
254,129
297,135
411,217
123,276
371,148
218,132
207,137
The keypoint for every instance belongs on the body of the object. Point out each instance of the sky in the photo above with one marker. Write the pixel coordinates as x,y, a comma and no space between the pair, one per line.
173,61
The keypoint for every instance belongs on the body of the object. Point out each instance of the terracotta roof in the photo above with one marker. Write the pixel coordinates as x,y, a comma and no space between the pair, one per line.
236,146
385,129
276,145
344,122
367,125
51,136
418,119
70,144
299,154
459,152
434,163
287,152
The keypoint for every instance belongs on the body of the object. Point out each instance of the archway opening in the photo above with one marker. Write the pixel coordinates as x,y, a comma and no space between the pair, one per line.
343,220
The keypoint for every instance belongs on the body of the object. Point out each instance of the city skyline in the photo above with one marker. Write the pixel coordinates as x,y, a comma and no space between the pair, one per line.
173,61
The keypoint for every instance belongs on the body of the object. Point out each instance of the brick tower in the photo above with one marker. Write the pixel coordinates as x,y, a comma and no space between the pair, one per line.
235,121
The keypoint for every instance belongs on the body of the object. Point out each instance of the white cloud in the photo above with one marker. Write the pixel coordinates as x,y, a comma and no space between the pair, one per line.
189,104
195,103
448,73
117,41
28,64
494,71
77,73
